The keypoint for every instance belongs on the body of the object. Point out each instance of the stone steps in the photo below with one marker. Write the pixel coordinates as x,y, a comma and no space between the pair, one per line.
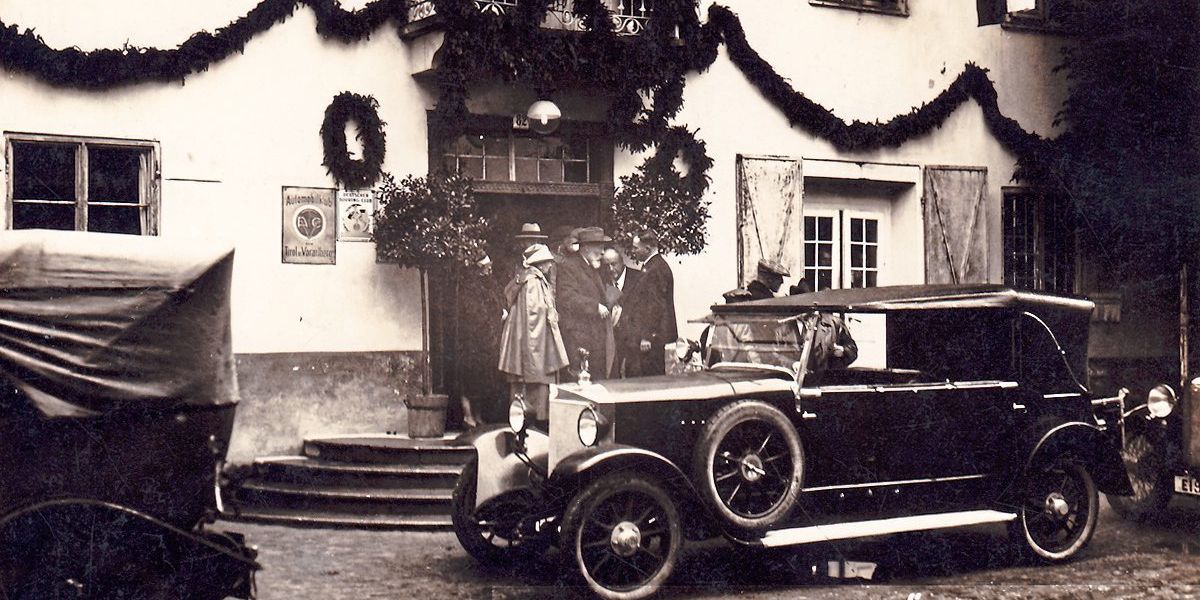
361,481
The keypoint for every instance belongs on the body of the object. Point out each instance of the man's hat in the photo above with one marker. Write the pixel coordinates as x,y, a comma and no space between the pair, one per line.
530,231
592,235
538,253
770,266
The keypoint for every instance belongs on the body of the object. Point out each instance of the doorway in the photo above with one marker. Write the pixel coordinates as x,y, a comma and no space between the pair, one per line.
465,309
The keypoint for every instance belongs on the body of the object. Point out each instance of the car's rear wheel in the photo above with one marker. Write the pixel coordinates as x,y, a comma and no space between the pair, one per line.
493,536
1149,477
749,464
1058,511
623,534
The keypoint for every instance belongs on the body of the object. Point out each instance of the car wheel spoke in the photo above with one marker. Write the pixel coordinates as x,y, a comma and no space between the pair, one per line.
736,489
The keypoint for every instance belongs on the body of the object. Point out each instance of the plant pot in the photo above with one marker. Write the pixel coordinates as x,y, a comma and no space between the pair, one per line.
427,415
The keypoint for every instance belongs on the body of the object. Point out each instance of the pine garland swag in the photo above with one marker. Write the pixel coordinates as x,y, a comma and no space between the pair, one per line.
363,110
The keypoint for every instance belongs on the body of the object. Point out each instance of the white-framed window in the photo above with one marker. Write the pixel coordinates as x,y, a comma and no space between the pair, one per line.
1039,240
82,183
1033,15
522,158
842,248
887,7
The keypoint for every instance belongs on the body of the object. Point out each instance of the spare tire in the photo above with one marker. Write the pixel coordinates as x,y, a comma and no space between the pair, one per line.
748,465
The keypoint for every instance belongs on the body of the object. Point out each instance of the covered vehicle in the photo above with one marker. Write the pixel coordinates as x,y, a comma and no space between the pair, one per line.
976,415
116,406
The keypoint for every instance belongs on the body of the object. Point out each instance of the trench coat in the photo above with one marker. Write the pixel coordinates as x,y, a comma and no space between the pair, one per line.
531,345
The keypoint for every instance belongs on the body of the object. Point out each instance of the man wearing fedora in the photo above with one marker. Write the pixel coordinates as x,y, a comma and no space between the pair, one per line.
582,303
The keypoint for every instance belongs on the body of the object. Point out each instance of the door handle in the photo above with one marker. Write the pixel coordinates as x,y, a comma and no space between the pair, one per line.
1018,407
808,415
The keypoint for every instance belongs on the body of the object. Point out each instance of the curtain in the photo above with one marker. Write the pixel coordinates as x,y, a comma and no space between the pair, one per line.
770,217
955,224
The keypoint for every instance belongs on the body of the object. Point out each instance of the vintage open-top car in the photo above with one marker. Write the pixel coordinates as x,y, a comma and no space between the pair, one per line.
116,406
974,414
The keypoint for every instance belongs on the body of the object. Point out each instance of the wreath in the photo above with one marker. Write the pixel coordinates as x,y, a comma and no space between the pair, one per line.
363,110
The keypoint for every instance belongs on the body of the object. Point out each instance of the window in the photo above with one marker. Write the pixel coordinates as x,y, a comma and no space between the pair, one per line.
1039,241
83,184
828,263
501,157
1034,15
889,7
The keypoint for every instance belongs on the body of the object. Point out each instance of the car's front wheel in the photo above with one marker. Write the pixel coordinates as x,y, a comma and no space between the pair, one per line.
1149,477
623,534
492,537
1058,511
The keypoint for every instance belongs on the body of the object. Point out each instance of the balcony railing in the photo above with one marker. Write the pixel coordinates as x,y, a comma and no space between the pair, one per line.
629,17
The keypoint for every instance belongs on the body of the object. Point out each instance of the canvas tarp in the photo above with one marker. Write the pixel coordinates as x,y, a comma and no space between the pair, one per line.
955,225
91,323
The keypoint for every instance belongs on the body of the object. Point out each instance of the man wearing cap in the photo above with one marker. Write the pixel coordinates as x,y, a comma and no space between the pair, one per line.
654,308
582,302
531,344
768,280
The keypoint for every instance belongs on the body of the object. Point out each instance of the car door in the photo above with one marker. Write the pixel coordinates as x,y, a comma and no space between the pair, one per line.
943,430
839,429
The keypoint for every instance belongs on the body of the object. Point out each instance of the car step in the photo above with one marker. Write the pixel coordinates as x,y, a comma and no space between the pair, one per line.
861,529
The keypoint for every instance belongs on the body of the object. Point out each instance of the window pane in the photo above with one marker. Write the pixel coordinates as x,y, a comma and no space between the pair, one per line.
871,278
495,146
471,167
825,228
115,219
856,230
575,171
810,254
856,279
43,171
856,256
575,149
43,216
496,169
550,170
526,169
825,280
872,230
469,145
872,256
810,228
552,147
113,175
826,257
527,148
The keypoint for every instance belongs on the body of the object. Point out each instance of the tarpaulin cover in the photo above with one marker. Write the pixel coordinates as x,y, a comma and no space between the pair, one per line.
91,323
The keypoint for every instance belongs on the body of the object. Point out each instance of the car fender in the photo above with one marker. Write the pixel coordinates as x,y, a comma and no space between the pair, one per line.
1092,446
502,465
584,466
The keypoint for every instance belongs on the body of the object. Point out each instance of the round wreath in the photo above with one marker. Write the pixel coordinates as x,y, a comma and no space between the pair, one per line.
349,172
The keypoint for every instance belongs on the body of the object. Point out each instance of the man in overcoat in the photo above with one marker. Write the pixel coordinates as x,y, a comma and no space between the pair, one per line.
656,310
622,287
531,345
583,303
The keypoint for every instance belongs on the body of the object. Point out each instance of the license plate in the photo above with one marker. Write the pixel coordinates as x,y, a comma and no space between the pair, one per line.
1186,484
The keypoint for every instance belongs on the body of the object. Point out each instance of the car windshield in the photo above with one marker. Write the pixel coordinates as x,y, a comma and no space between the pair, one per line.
760,341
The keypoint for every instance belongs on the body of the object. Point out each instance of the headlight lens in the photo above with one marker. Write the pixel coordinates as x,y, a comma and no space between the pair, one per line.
516,415
589,427
1160,401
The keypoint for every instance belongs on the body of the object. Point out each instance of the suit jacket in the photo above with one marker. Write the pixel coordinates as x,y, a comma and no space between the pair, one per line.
657,296
629,329
759,290
580,294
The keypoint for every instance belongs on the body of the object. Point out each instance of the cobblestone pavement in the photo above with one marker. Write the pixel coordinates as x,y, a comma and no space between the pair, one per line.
1125,560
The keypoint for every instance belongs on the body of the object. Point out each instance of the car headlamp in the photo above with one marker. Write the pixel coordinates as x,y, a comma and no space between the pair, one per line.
516,415
1160,401
591,426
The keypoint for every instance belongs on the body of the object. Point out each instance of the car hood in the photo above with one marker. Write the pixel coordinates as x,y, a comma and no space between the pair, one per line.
690,386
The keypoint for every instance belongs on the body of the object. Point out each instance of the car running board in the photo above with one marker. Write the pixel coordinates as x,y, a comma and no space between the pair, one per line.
860,529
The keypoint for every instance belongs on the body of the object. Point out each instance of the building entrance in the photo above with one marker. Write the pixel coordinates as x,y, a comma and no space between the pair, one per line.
466,307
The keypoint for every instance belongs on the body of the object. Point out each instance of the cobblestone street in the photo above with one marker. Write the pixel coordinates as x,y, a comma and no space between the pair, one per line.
1125,560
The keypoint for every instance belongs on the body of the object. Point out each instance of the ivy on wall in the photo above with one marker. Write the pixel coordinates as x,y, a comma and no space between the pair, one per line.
652,65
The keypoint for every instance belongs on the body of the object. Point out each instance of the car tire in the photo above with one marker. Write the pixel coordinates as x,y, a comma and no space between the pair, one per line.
1058,511
1150,479
622,534
495,545
749,448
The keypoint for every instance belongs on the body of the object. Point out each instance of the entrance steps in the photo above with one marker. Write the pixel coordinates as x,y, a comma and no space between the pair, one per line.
377,481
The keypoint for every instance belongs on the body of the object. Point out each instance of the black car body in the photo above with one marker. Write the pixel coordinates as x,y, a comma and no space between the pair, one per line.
116,409
980,416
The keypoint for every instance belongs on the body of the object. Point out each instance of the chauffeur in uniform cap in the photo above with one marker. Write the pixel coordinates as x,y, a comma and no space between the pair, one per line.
767,281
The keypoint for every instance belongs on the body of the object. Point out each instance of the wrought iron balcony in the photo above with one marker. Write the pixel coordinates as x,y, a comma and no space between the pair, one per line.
628,16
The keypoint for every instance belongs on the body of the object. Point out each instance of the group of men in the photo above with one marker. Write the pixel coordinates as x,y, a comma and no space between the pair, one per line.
576,306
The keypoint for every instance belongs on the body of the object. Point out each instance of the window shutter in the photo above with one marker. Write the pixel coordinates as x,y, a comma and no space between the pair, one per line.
770,216
955,224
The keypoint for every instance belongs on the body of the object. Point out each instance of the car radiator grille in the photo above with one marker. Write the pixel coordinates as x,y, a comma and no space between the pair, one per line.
564,434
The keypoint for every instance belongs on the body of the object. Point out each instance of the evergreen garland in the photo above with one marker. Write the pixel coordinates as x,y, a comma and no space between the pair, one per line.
516,47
